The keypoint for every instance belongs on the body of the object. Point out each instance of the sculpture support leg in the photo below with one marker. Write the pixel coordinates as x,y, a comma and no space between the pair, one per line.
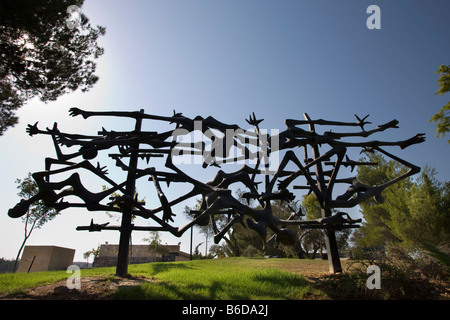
126,228
124,243
333,253
332,248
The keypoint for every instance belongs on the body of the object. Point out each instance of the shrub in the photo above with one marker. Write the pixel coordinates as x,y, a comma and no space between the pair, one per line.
405,274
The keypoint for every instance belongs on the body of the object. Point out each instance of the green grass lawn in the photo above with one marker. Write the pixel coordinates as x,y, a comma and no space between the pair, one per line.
11,283
222,279
219,280
237,279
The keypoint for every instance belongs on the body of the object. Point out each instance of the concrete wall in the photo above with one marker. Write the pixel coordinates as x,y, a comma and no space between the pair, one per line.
45,258
139,254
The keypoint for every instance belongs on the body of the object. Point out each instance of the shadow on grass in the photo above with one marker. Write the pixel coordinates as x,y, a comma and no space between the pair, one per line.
169,291
261,285
155,268
282,281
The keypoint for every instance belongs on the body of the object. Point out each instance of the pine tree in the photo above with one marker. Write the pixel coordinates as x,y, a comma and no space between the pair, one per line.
42,54
414,211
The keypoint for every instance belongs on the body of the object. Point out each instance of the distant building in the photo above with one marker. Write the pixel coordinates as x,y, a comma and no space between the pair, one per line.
45,258
138,254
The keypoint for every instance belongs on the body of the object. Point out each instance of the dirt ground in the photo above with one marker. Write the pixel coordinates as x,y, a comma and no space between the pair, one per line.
92,288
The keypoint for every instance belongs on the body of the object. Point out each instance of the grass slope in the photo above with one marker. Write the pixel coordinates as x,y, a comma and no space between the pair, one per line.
229,278
14,283
225,279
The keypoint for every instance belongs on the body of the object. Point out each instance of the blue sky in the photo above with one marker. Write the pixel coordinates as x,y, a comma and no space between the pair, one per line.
228,59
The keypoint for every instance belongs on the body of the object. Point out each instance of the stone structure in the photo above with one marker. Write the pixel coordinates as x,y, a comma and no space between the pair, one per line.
139,253
45,258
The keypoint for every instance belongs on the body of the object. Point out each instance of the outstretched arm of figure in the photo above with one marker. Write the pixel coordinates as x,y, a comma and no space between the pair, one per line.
127,114
98,170
365,192
290,156
418,138
149,213
222,199
50,197
413,169
167,209
359,123
176,118
224,180
338,135
184,177
327,194
335,219
218,235
33,130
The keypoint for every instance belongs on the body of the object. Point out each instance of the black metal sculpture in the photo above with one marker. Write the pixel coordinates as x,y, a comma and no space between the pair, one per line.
223,140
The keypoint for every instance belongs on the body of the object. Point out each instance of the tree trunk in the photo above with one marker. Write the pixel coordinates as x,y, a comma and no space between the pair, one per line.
298,250
27,235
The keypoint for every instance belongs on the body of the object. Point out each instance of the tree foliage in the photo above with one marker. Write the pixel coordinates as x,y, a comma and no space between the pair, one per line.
94,252
41,56
154,244
442,118
414,212
38,213
313,240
